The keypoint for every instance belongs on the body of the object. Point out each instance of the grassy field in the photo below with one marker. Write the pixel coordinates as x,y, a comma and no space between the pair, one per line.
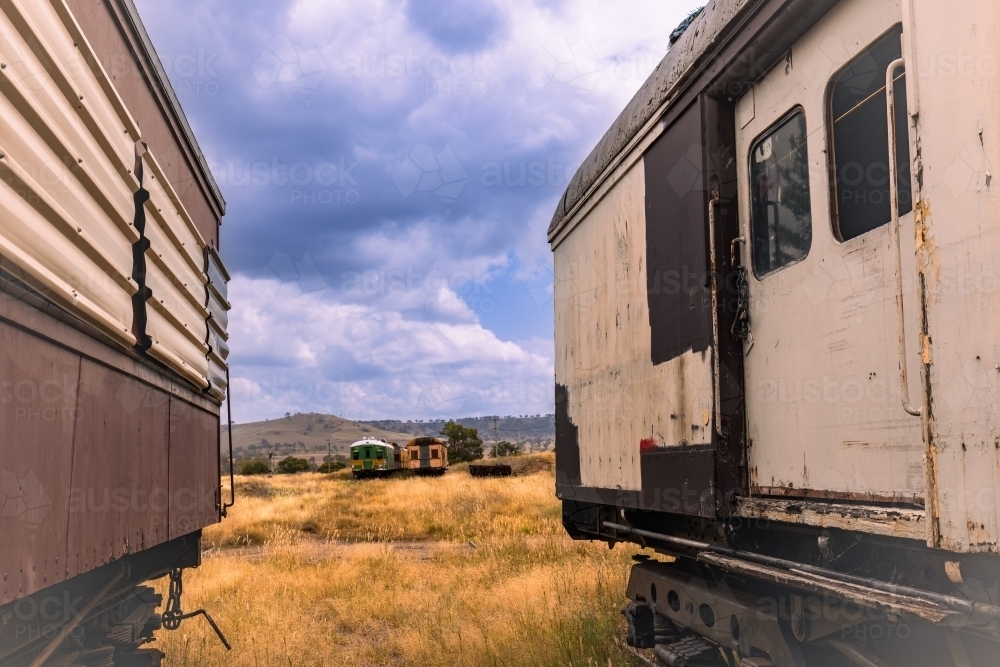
453,571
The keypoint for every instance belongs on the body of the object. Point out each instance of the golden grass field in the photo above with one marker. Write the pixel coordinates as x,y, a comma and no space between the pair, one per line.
323,570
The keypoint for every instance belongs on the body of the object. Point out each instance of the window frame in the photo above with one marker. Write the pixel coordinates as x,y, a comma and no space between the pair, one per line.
831,151
785,117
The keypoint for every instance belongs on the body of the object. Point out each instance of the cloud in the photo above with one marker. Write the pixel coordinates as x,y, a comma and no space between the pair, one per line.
366,146
307,352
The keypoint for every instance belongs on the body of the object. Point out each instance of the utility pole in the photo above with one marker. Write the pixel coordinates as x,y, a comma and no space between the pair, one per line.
496,435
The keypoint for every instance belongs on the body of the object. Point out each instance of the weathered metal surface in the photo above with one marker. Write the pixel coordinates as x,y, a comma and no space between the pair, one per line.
894,607
824,407
616,398
119,496
38,416
67,192
955,101
888,521
118,41
728,617
193,468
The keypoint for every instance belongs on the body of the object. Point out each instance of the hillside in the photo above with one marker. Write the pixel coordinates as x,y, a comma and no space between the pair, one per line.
308,434
535,433
303,434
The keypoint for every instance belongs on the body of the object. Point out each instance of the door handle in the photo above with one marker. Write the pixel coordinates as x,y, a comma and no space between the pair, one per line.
894,232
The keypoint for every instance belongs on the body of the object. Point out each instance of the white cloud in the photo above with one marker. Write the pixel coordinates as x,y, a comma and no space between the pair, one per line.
306,352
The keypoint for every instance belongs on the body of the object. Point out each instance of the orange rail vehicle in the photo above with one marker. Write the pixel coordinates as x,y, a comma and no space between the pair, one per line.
428,456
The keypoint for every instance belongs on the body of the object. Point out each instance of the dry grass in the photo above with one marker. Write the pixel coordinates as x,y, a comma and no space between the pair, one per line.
451,571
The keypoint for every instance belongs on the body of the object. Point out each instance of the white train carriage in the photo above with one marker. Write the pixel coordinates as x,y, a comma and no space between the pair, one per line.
777,306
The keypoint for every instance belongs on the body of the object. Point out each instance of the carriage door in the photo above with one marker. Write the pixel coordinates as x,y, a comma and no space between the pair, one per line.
824,401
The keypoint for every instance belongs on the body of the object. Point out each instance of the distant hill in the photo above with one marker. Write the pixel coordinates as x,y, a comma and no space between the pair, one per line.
307,435
535,433
303,435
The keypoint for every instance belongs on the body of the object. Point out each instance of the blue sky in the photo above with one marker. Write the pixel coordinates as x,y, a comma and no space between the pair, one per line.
390,168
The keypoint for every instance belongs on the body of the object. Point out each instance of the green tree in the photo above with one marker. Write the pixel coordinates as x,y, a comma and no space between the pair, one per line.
505,448
332,466
290,465
255,467
464,444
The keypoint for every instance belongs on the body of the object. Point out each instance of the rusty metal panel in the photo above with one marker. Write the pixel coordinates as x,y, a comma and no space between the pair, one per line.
38,414
956,107
194,468
67,189
118,498
616,401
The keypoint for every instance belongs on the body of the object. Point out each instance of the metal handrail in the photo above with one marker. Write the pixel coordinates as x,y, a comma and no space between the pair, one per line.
713,262
895,235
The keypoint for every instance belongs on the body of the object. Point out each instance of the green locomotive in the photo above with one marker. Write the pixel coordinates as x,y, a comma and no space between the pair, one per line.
376,458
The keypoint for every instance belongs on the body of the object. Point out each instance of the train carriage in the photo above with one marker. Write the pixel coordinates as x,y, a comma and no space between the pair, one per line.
376,458
428,456
776,317
113,336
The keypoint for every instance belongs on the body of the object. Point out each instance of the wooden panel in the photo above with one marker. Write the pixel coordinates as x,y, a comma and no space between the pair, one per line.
194,468
118,499
38,388
99,20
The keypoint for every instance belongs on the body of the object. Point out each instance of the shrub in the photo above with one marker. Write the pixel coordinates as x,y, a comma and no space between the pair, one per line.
291,465
255,467
332,466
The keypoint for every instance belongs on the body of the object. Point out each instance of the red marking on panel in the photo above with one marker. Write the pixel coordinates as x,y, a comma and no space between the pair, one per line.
647,445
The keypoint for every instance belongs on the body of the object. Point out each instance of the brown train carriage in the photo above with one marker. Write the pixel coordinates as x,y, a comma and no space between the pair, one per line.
427,456
113,317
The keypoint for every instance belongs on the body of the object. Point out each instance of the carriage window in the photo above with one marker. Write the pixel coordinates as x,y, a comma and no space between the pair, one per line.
435,454
860,137
781,214
356,455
